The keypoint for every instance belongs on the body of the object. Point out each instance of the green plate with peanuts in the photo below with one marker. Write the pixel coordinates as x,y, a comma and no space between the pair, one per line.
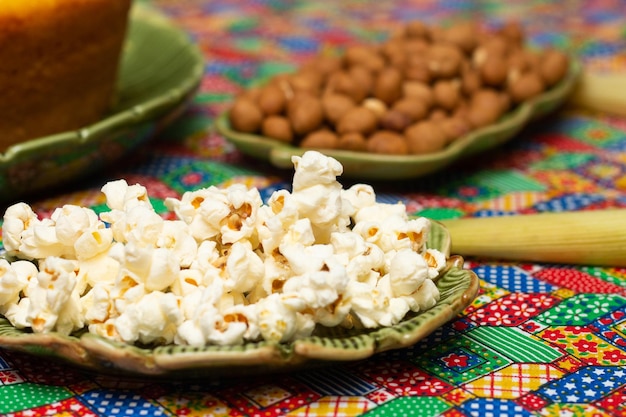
375,166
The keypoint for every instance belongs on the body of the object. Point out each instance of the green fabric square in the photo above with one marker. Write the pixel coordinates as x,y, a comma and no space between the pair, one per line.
487,360
506,181
17,397
411,406
563,161
597,134
521,347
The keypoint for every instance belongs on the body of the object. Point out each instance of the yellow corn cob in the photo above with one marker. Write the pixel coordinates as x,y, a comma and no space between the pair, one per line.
603,92
593,237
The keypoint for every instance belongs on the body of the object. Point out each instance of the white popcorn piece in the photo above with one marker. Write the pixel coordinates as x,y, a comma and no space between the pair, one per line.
369,304
17,219
176,236
303,259
54,304
121,196
348,244
368,266
300,232
127,290
196,332
394,232
241,221
92,243
71,221
277,217
14,277
244,268
436,262
381,307
97,304
17,314
233,326
156,268
106,330
136,259
100,269
381,212
70,317
313,168
359,196
208,258
426,296
276,272
142,226
418,230
279,321
189,281
320,277
203,210
321,204
164,268
40,241
335,313
205,321
154,318
407,272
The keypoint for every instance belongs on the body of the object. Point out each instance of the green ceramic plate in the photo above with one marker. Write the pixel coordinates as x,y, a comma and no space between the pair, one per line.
160,71
457,286
389,167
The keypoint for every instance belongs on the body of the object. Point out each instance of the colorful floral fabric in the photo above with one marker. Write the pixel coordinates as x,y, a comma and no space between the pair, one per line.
538,340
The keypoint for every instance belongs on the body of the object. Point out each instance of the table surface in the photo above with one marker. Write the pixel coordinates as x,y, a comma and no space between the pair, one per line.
563,326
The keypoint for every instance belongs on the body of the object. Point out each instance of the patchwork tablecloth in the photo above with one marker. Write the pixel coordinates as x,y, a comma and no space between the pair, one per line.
540,339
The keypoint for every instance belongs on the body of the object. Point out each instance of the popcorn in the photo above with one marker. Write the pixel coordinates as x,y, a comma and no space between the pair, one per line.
243,267
100,269
139,225
72,221
17,219
39,240
240,223
279,319
14,278
359,196
54,304
97,304
314,169
188,282
154,318
214,316
319,277
121,196
370,304
203,210
176,236
436,262
228,270
407,272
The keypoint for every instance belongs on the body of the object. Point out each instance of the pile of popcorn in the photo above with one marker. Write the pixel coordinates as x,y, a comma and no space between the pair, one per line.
230,269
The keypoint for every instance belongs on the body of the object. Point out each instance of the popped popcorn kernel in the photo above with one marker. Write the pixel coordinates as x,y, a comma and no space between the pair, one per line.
227,270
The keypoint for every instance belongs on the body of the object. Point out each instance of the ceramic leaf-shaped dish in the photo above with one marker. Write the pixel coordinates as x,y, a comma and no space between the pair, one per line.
458,287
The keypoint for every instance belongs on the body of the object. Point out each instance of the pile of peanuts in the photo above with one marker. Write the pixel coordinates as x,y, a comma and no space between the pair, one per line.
415,93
